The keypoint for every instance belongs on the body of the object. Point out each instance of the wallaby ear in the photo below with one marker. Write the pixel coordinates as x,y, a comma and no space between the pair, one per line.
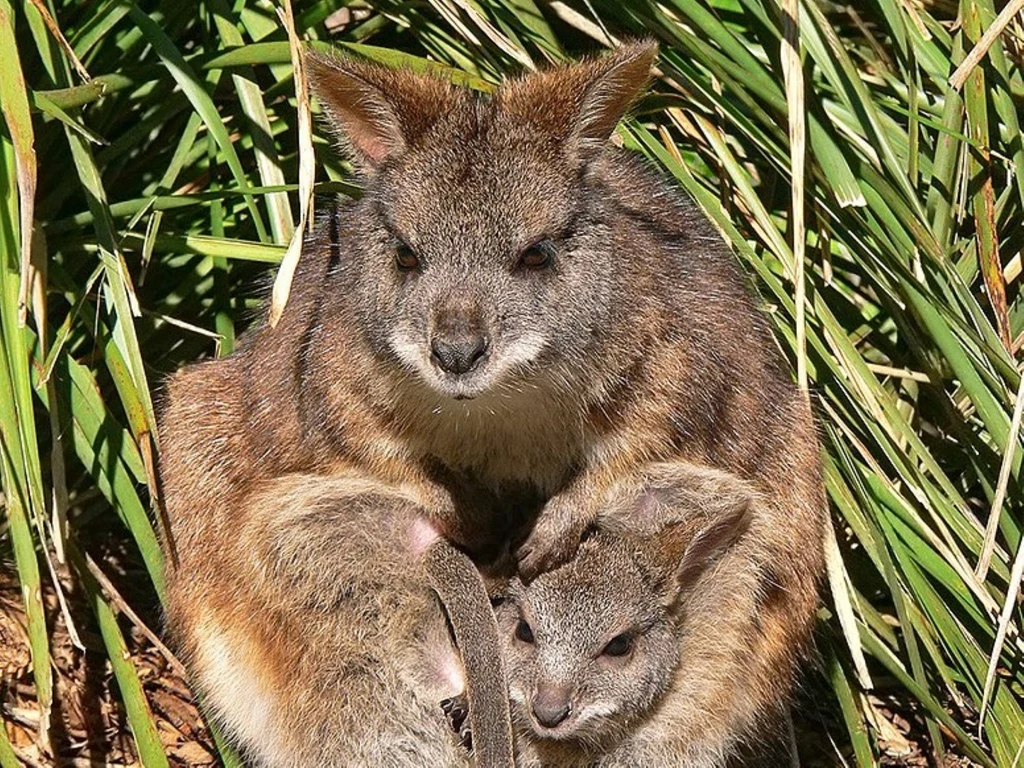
612,88
377,112
670,494
580,105
686,517
713,539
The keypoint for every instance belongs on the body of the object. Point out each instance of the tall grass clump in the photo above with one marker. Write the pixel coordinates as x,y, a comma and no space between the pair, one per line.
864,162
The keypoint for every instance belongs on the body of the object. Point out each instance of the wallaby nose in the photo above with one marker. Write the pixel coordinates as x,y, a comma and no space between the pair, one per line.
552,704
459,354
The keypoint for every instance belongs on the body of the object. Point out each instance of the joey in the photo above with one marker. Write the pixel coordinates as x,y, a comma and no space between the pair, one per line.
637,652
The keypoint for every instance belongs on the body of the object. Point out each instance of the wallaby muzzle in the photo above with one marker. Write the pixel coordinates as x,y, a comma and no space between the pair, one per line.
458,353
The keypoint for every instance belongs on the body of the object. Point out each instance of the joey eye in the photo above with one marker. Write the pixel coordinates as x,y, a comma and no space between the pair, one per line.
619,645
405,258
538,256
524,633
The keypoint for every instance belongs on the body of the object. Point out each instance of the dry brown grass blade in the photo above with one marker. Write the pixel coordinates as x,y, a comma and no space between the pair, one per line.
495,36
899,373
1004,625
981,169
59,491
985,559
62,41
58,481
307,171
988,257
916,19
959,77
122,606
577,20
841,591
794,77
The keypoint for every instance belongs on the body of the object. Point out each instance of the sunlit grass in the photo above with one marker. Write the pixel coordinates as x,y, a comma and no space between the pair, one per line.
168,183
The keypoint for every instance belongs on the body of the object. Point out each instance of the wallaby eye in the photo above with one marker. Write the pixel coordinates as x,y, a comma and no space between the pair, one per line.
538,256
524,633
619,645
405,258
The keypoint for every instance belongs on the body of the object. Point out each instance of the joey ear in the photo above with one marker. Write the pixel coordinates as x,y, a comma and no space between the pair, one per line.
673,493
685,547
581,104
713,539
377,112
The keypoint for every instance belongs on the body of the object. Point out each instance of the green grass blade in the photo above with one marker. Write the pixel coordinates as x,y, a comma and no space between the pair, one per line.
17,115
200,99
281,222
852,717
140,717
20,465
7,757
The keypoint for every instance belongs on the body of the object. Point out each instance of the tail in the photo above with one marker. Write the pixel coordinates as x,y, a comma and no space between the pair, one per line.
457,582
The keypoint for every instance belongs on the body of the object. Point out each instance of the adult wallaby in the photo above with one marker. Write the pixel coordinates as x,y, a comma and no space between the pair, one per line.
635,654
512,300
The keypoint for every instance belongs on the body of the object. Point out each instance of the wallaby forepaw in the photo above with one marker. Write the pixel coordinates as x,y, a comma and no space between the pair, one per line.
551,543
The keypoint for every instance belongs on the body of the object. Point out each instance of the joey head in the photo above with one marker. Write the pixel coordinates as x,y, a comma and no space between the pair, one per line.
604,654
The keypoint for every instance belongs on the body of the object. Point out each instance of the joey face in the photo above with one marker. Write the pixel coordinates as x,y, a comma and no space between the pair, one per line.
589,647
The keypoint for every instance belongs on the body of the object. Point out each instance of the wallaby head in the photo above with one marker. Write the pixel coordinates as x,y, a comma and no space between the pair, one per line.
591,646
479,263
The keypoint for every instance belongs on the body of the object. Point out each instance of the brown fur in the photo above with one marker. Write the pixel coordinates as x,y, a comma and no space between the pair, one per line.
326,645
639,344
458,584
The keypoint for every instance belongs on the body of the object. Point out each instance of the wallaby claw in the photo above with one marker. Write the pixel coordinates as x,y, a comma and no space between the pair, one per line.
552,543
456,709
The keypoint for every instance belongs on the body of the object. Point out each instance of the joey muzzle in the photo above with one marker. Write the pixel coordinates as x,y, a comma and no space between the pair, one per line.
552,704
458,354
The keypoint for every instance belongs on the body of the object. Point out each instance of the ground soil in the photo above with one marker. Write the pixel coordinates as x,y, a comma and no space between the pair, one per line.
88,722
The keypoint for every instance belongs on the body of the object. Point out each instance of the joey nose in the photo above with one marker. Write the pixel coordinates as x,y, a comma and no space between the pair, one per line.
458,354
551,705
